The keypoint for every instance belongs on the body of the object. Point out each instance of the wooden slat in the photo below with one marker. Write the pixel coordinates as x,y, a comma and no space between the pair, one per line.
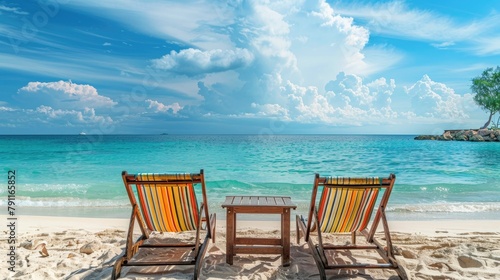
288,202
257,241
257,250
258,209
350,247
245,200
360,265
167,245
157,256
265,201
229,200
173,182
260,201
159,262
280,201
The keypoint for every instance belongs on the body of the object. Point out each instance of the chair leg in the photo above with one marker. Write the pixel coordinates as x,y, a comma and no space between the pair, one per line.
117,268
213,223
297,230
200,258
317,259
402,273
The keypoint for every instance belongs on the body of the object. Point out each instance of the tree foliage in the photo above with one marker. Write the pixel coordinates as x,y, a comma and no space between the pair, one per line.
487,89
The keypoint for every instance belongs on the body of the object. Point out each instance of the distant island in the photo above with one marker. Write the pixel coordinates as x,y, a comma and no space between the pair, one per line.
474,135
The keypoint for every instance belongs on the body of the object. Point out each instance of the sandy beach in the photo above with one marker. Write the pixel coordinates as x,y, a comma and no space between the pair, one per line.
86,248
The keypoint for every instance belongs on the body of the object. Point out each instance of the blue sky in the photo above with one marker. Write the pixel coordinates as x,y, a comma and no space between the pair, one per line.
124,66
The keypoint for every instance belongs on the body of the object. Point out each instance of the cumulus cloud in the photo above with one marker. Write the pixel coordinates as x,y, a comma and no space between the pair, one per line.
69,117
160,107
350,100
346,100
304,44
271,110
435,100
306,104
350,88
64,94
305,41
194,62
58,104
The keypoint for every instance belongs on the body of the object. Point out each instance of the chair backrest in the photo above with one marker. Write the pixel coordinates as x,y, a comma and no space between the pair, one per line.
167,202
346,204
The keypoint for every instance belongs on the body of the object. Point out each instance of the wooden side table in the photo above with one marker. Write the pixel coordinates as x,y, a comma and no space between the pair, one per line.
258,205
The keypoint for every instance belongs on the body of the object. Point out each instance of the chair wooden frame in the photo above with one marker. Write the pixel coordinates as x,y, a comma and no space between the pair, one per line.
320,250
192,253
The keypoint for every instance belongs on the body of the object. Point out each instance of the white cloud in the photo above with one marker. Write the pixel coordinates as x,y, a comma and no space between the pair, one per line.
46,117
302,43
443,45
262,44
6,109
306,104
325,43
189,22
16,10
488,45
58,104
271,110
349,100
396,19
377,58
351,90
69,117
435,100
194,62
64,94
160,107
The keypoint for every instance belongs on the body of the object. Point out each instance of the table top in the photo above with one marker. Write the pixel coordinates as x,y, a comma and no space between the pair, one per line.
259,201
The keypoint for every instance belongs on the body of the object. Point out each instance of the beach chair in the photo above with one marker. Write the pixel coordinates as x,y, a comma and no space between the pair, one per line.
346,206
166,203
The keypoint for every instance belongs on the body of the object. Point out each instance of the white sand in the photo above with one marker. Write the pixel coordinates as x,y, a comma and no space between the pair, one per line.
427,250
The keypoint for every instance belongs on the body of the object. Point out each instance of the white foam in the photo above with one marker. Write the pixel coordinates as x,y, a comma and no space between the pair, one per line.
67,202
448,207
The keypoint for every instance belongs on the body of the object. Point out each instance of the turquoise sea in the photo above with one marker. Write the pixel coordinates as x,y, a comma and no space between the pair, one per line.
80,175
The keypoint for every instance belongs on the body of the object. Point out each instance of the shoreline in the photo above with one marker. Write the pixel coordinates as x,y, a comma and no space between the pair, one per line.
453,249
42,223
124,213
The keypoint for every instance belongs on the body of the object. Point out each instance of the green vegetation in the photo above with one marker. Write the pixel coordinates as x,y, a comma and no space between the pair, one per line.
487,89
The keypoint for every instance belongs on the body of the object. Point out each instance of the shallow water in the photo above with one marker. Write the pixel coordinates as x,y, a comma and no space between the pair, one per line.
81,175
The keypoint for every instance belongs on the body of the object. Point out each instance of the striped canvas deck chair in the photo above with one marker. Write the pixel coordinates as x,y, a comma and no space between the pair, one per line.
166,203
345,207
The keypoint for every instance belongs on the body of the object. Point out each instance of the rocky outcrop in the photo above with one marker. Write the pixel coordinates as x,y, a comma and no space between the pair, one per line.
474,135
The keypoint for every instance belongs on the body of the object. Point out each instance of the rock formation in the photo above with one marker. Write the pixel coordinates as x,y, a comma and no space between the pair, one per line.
474,135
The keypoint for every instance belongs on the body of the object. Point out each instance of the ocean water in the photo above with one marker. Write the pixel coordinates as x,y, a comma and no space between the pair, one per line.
80,175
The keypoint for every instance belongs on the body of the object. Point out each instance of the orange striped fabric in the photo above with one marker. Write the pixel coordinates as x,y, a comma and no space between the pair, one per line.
344,209
168,207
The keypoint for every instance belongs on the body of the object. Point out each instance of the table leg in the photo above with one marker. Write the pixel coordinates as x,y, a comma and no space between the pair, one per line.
230,234
285,237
